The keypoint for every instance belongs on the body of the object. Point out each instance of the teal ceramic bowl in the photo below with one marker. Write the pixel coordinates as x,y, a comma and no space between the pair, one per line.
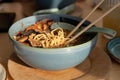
52,58
113,48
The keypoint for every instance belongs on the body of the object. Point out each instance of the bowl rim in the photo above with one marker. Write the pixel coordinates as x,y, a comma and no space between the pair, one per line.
83,44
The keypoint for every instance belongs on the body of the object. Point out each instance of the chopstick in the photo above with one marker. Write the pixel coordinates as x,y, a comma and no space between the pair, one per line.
85,18
89,26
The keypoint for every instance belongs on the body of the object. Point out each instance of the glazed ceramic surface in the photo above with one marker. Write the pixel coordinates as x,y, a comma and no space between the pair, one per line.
114,48
51,58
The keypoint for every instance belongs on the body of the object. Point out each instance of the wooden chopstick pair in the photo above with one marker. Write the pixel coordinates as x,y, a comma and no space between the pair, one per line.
89,26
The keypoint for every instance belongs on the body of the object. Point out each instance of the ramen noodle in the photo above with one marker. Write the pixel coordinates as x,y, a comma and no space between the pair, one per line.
40,35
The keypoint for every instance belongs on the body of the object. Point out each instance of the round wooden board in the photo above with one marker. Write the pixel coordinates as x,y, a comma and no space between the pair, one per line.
96,67
19,69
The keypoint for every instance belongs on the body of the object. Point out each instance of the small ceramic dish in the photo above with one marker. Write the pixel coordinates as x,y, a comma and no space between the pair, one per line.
2,72
113,48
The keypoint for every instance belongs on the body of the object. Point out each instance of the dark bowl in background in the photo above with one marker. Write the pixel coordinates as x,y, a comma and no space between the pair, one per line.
54,6
48,4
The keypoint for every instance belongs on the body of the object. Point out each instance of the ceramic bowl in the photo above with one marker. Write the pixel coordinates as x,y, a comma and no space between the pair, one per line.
2,72
113,48
52,58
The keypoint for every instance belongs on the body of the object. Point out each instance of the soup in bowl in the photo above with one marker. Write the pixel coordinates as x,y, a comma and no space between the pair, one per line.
56,57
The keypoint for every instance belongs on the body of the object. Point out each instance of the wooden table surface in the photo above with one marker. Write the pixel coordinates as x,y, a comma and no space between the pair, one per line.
86,8
6,49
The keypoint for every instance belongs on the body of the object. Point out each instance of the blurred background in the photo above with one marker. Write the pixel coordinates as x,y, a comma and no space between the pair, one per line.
23,8
14,10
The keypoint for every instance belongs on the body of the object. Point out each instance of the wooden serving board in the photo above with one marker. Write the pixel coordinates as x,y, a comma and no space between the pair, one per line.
95,67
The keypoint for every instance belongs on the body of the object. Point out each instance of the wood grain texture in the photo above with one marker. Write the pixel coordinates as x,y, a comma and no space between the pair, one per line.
19,70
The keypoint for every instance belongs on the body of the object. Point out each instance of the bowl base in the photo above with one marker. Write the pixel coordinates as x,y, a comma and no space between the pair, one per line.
18,69
96,67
